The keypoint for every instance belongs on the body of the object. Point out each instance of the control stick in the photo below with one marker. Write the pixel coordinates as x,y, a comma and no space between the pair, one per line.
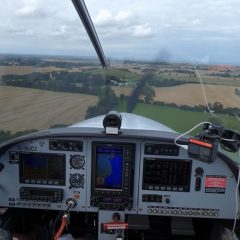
71,203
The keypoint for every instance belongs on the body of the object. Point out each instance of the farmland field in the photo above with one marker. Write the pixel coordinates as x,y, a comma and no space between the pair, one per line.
190,94
21,70
182,120
231,81
24,108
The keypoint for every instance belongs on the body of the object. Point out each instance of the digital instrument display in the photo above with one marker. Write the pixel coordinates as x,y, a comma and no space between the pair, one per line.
42,168
112,175
109,167
41,194
167,175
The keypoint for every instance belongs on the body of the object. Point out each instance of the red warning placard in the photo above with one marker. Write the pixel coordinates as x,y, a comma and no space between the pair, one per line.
115,226
216,182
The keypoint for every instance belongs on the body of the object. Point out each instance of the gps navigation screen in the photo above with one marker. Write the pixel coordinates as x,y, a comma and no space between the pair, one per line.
109,167
42,168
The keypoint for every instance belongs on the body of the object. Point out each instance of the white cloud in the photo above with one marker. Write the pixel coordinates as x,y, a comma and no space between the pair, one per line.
14,31
60,32
29,8
142,31
170,24
104,17
122,15
197,21
26,11
107,18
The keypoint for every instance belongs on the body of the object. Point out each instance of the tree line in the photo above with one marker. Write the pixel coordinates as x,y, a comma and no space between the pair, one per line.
58,81
216,107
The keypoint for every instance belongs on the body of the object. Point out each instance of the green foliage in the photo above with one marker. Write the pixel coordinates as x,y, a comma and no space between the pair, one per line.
182,120
149,93
162,82
107,101
6,135
218,107
60,125
237,91
119,74
58,81
28,60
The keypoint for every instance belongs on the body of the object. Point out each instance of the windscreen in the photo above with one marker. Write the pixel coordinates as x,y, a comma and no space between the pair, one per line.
175,62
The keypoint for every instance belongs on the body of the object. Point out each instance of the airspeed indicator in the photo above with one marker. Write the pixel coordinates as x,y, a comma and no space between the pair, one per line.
77,161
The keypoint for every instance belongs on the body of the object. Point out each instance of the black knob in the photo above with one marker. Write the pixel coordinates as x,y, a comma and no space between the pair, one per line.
116,217
167,200
199,171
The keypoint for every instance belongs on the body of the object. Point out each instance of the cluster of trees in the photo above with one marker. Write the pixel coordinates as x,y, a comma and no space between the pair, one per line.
137,91
39,62
185,71
237,91
149,93
166,82
58,81
107,101
20,61
226,74
6,135
63,64
216,107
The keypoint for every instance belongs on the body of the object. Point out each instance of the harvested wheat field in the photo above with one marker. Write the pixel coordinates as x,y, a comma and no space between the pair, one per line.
25,108
192,94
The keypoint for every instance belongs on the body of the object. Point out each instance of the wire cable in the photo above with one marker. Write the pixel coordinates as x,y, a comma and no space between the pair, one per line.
180,145
236,197
204,92
62,227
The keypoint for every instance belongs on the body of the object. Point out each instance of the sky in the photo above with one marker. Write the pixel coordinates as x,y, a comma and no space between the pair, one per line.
201,31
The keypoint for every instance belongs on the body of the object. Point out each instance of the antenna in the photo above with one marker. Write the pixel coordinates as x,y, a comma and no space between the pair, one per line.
88,24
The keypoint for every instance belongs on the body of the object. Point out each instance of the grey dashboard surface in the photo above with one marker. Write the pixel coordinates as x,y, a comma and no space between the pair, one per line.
164,180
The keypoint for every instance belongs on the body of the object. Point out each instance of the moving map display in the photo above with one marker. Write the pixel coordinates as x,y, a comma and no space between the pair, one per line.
109,167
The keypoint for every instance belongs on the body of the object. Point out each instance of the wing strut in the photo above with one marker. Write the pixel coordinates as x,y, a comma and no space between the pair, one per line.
88,24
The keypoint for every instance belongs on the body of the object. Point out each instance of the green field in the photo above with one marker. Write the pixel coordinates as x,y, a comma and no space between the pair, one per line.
132,77
122,74
206,79
180,120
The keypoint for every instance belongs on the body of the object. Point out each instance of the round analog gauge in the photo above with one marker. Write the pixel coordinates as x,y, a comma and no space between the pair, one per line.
76,180
77,161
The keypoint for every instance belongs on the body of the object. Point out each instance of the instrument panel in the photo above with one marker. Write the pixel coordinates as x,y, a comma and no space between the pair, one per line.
135,176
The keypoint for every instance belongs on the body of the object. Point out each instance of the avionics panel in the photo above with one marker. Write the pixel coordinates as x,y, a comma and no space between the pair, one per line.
42,168
41,194
166,174
112,175
65,145
161,149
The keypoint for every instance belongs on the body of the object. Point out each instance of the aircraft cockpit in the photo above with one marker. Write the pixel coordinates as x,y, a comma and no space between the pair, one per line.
144,145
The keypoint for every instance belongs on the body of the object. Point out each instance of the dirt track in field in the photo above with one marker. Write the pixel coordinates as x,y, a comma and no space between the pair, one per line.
24,108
